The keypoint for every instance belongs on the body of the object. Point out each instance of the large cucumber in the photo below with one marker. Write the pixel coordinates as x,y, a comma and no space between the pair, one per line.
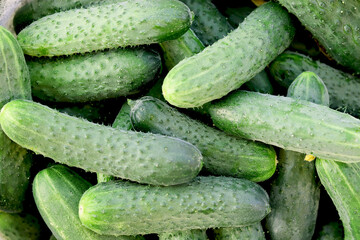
93,76
125,208
231,61
342,86
290,124
184,235
334,24
223,154
15,161
252,232
19,227
127,23
141,157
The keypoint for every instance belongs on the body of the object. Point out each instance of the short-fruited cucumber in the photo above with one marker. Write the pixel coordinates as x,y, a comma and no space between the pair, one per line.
141,157
106,26
93,76
125,208
184,235
290,124
231,61
223,154
252,232
331,231
19,227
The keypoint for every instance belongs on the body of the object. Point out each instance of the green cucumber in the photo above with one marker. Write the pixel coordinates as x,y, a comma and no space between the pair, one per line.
209,24
15,161
290,124
127,23
93,76
125,208
141,157
331,231
223,154
57,191
235,16
334,24
231,61
342,87
184,235
252,232
19,227
260,83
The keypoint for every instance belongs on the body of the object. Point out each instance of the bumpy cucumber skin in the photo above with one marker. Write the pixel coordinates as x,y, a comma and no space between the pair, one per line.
183,47
144,158
57,191
125,208
93,76
289,124
106,26
223,154
230,62
342,87
341,181
260,83
15,161
252,232
331,231
235,16
184,235
335,24
19,227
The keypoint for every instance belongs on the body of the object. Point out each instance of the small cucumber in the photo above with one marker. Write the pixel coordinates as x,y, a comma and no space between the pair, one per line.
252,232
290,124
106,26
93,76
231,61
184,235
141,157
125,208
19,227
260,83
331,231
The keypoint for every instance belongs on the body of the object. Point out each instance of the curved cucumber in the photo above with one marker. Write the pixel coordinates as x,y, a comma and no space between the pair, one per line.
331,231
93,76
144,158
106,26
19,227
184,235
290,124
231,61
252,232
260,83
223,154
125,208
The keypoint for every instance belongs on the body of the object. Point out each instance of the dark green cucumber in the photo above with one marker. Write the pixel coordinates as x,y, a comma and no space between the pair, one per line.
19,227
223,154
209,24
183,47
141,157
331,231
125,208
127,23
290,124
342,87
335,24
231,61
260,83
93,76
252,232
57,191
15,161
235,16
184,235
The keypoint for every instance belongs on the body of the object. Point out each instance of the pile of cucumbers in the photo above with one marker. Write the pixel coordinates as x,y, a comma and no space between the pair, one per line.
180,120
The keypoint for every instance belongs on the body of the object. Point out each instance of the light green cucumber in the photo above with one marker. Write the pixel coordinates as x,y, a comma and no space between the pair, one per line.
106,26
19,227
231,61
260,83
223,154
141,157
252,232
15,161
184,235
125,208
290,124
331,231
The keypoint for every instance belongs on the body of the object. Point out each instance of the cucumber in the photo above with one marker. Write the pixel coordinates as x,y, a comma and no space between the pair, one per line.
93,76
209,24
341,182
184,235
331,231
252,232
57,191
342,87
19,227
290,124
230,62
106,26
260,83
334,24
235,16
183,47
125,208
223,154
141,157
15,161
